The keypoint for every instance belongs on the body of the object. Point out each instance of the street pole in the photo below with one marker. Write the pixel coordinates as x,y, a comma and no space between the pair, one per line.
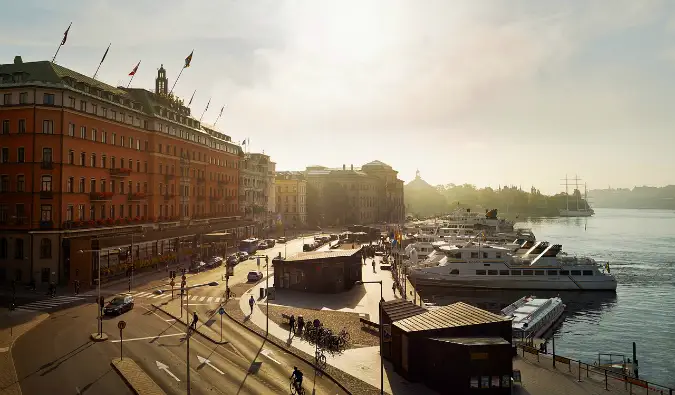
131,284
188,358
381,334
267,298
98,286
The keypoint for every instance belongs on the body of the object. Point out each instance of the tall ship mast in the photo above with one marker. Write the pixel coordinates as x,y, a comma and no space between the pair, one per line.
585,211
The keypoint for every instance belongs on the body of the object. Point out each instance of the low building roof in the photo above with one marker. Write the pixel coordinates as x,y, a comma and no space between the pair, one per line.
315,255
471,341
399,309
455,315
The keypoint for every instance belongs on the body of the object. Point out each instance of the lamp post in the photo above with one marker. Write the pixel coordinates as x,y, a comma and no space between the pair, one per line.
131,281
380,309
188,334
98,285
267,288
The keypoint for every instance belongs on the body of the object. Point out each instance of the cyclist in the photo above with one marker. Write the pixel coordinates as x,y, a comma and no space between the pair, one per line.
297,378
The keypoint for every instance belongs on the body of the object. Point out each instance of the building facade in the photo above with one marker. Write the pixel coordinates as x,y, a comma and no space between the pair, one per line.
83,159
373,194
291,194
256,180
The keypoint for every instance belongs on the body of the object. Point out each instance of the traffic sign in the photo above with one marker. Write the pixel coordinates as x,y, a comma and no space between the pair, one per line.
121,325
172,283
183,278
221,311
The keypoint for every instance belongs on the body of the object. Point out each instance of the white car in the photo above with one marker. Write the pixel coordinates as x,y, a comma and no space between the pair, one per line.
254,276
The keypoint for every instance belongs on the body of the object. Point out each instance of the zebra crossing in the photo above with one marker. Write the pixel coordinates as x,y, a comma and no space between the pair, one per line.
50,303
167,295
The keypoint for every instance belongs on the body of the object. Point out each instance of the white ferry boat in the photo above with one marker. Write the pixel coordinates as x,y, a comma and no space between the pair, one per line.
475,265
531,317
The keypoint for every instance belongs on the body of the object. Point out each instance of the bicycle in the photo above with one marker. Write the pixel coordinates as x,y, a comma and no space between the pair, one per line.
296,388
320,360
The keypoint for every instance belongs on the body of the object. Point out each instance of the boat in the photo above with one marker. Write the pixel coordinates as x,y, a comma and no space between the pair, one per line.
532,317
585,211
477,265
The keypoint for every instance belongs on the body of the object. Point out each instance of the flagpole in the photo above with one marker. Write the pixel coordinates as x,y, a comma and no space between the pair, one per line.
61,44
132,77
221,113
175,82
207,107
99,65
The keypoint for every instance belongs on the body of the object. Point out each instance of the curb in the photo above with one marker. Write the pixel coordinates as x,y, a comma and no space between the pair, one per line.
131,387
124,378
185,323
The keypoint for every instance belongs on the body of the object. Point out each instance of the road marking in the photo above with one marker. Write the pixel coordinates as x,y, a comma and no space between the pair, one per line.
165,368
170,320
210,299
4,349
206,361
202,299
143,294
164,296
197,304
148,337
269,354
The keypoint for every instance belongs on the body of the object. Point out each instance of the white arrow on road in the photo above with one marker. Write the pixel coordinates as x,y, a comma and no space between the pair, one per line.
269,354
206,361
165,368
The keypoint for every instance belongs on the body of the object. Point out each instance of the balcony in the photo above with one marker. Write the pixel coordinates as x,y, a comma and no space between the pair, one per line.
223,182
120,172
100,196
47,165
46,224
136,196
46,195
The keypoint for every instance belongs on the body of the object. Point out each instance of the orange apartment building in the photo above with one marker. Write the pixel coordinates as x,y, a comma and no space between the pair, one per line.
88,164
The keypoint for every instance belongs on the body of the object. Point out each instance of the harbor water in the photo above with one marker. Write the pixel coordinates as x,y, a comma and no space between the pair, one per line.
640,248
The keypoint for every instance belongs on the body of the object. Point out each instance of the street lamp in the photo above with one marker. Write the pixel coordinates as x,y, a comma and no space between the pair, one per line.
131,281
98,285
267,289
188,334
381,357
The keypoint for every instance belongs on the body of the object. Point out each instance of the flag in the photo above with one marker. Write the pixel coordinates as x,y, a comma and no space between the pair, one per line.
133,72
188,59
221,111
193,96
243,142
65,35
105,54
207,106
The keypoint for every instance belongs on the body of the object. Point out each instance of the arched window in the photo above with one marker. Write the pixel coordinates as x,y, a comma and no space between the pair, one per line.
3,248
45,248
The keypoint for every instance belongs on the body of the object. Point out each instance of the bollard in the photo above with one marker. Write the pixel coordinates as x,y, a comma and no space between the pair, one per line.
606,381
579,364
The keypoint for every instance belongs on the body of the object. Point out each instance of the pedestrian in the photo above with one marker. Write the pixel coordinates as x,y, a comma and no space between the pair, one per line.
77,287
291,323
393,288
251,302
301,324
195,319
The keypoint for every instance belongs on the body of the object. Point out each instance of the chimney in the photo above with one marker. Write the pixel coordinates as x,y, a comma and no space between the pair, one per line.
352,167
344,167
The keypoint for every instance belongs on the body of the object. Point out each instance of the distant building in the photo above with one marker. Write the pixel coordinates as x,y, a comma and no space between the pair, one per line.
256,189
374,193
291,194
318,271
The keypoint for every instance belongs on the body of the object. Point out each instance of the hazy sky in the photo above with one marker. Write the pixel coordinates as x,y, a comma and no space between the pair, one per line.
485,92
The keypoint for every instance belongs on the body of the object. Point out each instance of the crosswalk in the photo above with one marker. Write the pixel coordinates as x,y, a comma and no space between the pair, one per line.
167,295
50,303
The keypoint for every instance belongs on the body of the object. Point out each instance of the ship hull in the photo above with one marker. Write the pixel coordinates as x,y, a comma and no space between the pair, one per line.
559,283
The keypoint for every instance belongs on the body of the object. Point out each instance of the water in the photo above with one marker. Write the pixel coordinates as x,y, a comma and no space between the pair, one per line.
639,245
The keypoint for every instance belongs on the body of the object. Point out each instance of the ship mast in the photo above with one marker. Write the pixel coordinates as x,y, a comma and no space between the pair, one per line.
576,189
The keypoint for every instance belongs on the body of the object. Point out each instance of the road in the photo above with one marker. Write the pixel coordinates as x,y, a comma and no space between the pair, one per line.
59,354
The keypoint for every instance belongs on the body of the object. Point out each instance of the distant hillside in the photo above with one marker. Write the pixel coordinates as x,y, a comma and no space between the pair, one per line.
638,197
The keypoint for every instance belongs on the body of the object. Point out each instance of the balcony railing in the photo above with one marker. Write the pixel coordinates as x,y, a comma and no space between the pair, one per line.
136,196
100,196
47,165
47,224
46,195
120,172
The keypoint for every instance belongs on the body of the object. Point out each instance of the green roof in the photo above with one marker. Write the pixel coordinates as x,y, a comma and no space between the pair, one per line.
63,72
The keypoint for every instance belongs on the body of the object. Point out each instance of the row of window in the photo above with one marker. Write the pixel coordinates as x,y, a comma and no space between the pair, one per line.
19,250
47,126
532,272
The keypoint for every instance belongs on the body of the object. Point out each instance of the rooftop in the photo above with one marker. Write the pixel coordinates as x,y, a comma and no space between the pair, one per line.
316,255
399,309
471,341
451,316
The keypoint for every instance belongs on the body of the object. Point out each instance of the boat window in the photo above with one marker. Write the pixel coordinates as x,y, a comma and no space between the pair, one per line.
503,272
539,272
474,255
552,272
454,271
492,272
564,272
480,272
588,272
576,272
515,272
527,272
485,255
499,255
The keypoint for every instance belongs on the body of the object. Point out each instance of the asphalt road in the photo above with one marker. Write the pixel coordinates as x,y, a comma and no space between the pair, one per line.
59,355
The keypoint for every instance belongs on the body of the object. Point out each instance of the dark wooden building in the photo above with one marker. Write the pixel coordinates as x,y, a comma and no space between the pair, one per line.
396,310
455,349
318,271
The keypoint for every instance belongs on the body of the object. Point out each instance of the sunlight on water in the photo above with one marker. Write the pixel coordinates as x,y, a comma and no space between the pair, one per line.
639,246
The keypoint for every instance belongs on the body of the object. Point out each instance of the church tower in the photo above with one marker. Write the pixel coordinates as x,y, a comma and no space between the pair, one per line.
161,82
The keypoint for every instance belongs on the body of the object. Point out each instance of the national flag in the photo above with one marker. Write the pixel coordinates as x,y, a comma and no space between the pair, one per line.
65,35
106,53
193,96
243,142
188,59
133,72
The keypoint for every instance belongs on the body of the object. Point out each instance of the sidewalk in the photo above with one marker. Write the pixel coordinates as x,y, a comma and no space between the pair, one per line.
14,324
362,363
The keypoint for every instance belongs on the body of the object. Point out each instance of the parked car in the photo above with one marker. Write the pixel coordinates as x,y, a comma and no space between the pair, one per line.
270,243
263,245
119,305
243,255
281,240
254,276
233,260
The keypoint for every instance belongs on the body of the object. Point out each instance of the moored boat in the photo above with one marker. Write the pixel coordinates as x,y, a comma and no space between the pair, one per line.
532,317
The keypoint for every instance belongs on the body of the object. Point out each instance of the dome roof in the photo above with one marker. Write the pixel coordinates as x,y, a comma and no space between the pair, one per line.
377,163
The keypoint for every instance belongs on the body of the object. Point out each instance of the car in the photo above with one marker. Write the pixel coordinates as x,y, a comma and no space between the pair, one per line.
281,240
263,245
243,255
254,276
158,292
119,305
270,243
233,260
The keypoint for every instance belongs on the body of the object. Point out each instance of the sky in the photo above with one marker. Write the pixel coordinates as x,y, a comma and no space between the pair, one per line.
483,92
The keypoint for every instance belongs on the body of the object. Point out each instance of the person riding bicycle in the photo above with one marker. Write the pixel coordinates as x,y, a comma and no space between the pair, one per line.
297,377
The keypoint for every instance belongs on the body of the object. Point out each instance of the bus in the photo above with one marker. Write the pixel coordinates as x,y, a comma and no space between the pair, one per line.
249,245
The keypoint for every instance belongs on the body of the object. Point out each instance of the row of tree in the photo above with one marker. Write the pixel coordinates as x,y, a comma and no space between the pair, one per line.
638,197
